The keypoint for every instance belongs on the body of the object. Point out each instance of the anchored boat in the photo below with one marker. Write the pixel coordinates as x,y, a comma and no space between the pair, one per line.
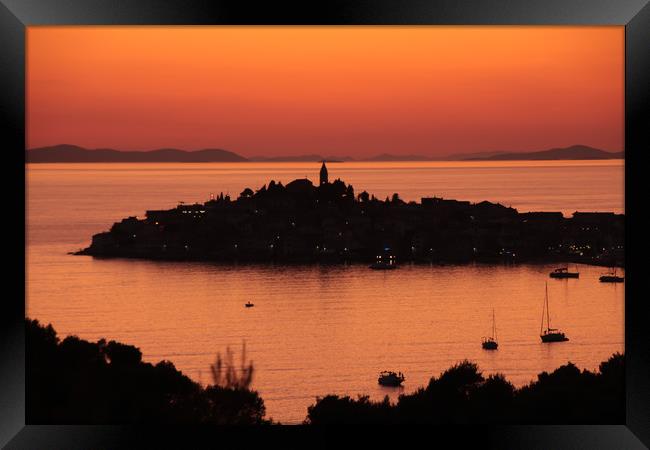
563,272
550,334
490,343
388,378
611,277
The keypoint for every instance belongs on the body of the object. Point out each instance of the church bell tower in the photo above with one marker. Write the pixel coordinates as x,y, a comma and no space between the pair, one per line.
323,174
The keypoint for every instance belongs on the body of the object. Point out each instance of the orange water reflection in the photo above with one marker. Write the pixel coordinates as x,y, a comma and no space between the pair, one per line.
317,329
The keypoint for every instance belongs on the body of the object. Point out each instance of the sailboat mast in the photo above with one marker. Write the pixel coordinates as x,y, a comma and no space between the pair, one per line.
548,316
494,326
541,325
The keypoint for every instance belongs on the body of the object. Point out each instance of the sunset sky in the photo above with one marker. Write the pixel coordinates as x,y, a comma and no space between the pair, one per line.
346,91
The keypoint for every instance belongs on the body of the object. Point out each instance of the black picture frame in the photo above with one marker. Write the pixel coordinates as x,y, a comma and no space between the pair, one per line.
16,15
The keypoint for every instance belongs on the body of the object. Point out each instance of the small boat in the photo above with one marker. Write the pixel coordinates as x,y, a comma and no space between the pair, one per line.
388,378
611,277
550,334
490,343
563,272
384,263
249,304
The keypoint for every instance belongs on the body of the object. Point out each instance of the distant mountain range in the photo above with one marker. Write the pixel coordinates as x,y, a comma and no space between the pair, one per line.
301,158
573,152
76,154
73,153
389,157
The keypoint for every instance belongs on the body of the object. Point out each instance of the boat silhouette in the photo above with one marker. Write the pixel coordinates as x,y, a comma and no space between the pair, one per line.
389,378
611,277
550,334
490,343
563,272
249,304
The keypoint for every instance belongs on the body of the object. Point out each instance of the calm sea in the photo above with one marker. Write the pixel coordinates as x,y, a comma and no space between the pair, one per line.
316,330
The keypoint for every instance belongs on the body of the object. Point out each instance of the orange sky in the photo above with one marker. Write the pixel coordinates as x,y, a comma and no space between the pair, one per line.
354,91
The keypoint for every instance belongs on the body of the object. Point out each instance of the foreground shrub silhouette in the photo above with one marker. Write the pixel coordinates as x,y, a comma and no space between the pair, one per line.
225,375
74,381
461,395
335,409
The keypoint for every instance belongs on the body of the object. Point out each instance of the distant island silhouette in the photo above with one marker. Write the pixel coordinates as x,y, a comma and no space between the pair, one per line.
66,153
76,154
575,152
306,223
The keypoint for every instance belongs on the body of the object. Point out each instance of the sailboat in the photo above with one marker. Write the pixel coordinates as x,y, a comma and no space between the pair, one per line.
550,334
490,343
611,277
